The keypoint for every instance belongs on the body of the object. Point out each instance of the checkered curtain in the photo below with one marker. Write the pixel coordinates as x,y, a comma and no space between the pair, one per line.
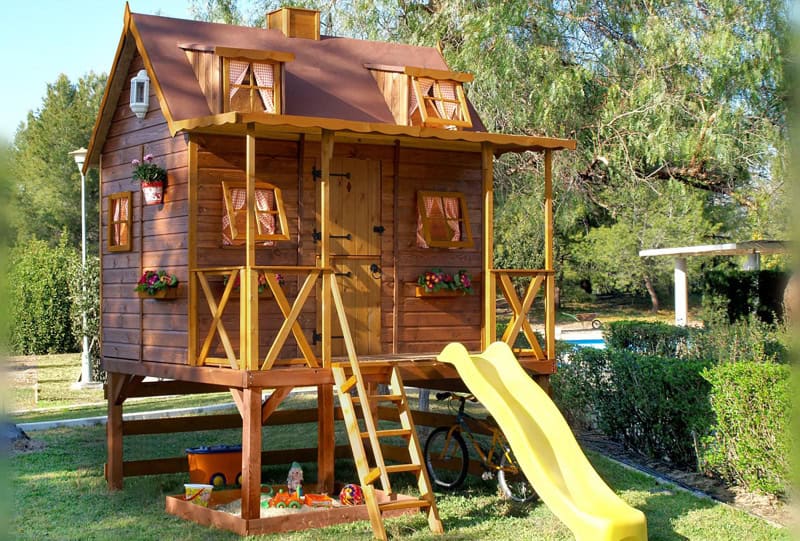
452,211
265,201
265,77
447,90
236,73
120,221
433,208
425,86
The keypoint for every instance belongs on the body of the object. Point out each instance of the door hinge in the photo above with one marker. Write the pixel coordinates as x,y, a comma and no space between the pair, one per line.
316,337
317,174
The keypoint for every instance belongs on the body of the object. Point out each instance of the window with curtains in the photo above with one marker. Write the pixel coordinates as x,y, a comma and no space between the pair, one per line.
251,86
119,222
271,223
438,103
442,220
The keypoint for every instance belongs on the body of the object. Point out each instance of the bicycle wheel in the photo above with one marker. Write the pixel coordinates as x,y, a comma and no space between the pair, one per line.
447,468
514,485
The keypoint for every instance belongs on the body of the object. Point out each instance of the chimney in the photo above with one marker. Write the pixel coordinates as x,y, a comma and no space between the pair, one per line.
295,22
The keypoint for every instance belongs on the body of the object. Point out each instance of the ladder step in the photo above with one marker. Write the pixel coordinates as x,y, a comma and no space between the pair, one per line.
404,504
398,468
347,385
402,432
380,398
372,476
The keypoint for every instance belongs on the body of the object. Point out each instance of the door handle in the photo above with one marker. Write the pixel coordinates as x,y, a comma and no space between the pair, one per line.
376,271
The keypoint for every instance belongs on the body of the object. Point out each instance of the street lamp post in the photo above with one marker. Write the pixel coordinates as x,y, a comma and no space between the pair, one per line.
86,365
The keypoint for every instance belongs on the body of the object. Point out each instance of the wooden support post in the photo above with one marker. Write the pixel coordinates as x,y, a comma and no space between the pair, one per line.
249,287
325,432
193,306
488,320
251,453
550,290
114,431
398,285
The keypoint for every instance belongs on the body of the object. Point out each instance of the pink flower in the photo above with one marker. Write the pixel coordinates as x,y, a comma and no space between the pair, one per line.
135,162
148,158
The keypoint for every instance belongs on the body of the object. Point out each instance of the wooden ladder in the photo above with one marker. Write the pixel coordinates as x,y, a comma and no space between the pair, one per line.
369,475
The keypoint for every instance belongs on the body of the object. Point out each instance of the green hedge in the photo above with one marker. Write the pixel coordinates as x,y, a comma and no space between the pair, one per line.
750,441
648,338
655,405
39,292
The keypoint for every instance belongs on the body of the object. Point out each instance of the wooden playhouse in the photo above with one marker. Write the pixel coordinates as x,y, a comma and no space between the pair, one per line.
310,181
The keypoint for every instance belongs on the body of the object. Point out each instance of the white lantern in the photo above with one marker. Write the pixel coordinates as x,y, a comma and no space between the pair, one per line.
140,93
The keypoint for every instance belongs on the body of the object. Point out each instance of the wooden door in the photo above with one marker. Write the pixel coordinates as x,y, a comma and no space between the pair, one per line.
356,250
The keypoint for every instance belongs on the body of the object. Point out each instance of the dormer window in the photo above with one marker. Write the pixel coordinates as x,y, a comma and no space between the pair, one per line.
251,87
252,80
437,98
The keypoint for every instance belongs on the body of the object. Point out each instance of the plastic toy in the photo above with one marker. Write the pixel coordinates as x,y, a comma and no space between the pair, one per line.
351,495
296,500
295,477
217,465
538,434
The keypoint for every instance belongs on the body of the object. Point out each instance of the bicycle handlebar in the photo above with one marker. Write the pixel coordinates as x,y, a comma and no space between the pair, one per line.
452,396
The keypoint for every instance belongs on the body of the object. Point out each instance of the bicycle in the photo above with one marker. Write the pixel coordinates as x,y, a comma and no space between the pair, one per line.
447,456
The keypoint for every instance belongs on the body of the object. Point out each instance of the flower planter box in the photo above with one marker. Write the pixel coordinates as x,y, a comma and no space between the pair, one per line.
420,291
163,294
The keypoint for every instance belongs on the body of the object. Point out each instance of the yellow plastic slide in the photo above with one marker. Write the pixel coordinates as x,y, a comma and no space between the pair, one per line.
544,446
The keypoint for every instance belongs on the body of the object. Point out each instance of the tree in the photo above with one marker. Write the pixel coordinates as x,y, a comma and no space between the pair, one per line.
658,94
47,184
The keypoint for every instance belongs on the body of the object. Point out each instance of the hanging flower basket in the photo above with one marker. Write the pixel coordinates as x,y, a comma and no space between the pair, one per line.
152,177
153,192
157,285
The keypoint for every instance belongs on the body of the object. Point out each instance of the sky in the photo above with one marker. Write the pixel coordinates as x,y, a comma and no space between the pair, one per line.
41,39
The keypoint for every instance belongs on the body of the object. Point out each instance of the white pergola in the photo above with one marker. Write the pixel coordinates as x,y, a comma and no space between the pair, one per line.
753,249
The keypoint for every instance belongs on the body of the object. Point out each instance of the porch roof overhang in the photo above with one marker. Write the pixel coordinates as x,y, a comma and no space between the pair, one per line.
291,127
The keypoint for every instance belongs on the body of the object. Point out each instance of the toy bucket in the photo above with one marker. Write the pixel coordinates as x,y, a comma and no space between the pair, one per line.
197,493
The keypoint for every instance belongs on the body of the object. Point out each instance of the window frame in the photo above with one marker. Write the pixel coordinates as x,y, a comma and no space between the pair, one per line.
277,76
466,232
438,77
128,245
276,58
279,212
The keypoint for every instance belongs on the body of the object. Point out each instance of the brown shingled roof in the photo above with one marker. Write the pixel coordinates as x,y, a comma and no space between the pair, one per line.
327,78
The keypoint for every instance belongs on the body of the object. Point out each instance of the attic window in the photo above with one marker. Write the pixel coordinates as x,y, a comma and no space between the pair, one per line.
442,220
251,79
251,86
271,223
437,98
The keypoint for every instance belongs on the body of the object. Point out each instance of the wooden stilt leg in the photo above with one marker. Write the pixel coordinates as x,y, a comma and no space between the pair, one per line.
251,453
326,440
114,432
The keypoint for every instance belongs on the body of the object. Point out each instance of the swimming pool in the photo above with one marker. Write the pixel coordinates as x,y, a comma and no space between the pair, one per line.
597,343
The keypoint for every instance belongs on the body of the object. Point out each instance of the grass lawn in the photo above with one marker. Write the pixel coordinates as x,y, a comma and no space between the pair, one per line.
60,493
55,375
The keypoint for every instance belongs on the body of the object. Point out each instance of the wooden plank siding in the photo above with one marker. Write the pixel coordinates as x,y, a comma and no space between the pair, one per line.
428,324
423,324
163,330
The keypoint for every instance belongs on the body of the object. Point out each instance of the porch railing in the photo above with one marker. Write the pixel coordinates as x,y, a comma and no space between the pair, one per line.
203,280
521,305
